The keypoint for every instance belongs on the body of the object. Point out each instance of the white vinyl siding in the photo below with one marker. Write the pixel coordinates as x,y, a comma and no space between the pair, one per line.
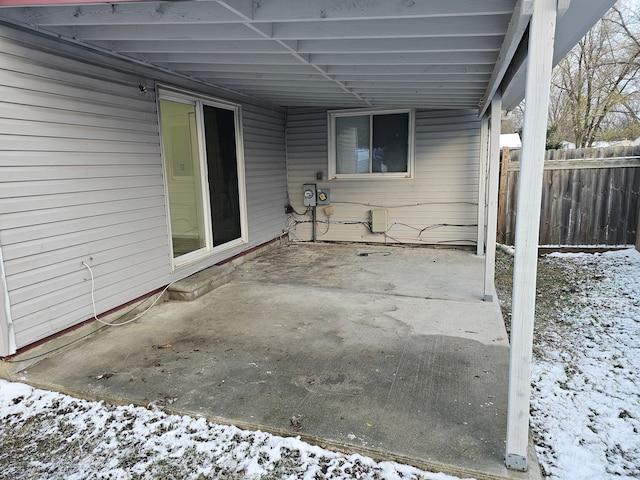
81,179
444,189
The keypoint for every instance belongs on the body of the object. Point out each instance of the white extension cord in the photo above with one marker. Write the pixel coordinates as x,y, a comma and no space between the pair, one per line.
93,302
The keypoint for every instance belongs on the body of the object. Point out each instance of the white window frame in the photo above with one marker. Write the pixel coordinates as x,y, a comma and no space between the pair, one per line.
184,96
331,121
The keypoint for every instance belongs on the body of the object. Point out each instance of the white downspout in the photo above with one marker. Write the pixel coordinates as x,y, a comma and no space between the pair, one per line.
482,185
7,333
538,79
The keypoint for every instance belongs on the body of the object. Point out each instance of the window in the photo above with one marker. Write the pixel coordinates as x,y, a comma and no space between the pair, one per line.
202,149
371,144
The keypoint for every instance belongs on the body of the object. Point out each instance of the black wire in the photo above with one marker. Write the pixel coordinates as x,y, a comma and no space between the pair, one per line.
409,204
293,210
82,337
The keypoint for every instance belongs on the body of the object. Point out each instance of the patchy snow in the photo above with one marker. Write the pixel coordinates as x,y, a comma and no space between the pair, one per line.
54,436
585,413
586,394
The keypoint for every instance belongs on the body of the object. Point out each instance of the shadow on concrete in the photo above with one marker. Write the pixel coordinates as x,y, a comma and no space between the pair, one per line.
384,350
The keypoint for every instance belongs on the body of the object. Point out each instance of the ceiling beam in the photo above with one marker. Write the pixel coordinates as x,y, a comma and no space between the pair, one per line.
393,28
221,58
157,32
294,53
134,13
326,10
422,78
517,27
391,59
194,46
417,86
400,45
202,68
409,69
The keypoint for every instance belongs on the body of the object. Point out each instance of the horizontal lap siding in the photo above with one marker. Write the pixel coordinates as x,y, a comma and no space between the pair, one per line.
264,151
437,206
81,179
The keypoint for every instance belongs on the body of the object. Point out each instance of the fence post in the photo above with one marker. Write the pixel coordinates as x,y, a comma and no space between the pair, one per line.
638,229
502,195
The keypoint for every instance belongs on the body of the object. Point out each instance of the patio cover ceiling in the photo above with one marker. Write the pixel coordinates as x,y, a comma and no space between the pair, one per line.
338,53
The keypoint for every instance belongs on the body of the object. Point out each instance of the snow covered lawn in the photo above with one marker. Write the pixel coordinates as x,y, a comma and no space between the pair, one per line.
586,377
585,409
54,436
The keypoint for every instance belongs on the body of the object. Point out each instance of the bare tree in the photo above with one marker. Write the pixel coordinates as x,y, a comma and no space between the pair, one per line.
596,87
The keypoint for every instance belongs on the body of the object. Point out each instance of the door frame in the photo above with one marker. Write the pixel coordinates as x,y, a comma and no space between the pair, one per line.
171,93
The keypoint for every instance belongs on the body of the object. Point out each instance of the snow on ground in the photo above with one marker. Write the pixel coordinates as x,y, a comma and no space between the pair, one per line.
585,412
48,435
586,393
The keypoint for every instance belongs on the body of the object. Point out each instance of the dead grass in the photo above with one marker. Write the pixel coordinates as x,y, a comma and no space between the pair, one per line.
557,289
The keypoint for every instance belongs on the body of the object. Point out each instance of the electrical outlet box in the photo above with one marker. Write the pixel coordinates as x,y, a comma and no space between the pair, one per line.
309,194
378,220
323,196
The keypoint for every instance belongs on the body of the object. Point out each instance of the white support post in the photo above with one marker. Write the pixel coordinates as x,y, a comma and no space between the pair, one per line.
492,197
539,64
482,184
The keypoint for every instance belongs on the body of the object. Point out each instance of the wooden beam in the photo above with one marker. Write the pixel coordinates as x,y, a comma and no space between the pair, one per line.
539,63
286,10
391,59
199,69
132,13
239,47
492,197
227,31
224,58
422,78
482,184
517,27
401,45
267,32
470,68
392,28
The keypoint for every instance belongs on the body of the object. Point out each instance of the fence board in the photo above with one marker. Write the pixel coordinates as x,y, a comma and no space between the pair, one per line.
589,197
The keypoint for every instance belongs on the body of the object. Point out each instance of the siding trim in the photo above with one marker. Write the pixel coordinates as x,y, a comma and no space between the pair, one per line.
7,333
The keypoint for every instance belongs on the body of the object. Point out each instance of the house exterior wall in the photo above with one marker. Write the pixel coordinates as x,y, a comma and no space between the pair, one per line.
82,181
438,206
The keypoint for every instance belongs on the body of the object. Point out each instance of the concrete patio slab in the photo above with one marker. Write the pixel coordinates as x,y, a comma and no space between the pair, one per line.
384,350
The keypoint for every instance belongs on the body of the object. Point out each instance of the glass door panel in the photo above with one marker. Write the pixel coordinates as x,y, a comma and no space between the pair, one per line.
184,176
222,174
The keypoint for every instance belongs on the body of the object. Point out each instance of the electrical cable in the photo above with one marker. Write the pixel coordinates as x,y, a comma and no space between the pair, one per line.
105,325
417,204
93,302
328,222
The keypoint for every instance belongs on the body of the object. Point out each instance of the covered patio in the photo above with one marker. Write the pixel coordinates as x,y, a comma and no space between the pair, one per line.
385,350
81,87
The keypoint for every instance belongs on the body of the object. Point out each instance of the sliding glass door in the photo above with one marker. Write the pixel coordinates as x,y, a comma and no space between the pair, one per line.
204,175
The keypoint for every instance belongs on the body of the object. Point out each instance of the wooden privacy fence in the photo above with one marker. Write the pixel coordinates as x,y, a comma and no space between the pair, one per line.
589,197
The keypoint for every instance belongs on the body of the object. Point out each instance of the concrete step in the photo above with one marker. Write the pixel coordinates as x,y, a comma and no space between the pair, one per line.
201,283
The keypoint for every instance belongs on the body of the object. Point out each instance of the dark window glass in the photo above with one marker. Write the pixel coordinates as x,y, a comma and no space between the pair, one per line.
390,143
222,166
